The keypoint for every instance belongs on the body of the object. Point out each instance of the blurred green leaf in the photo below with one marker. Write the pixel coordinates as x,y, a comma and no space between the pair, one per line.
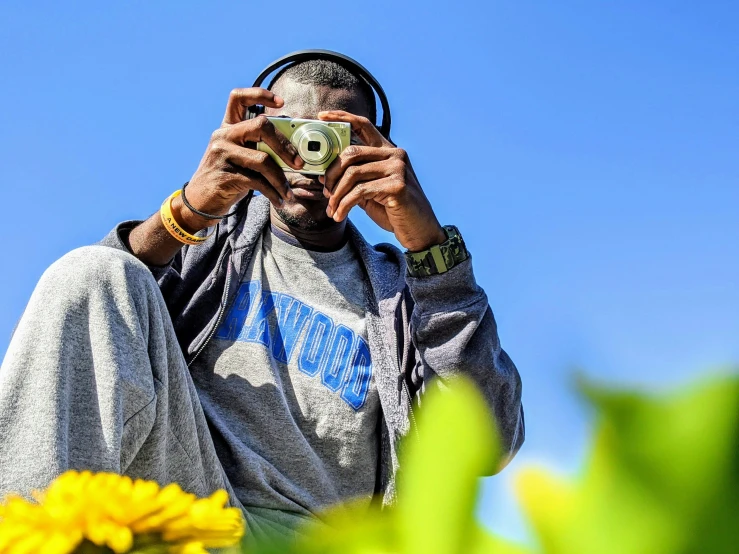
351,530
483,542
438,483
663,477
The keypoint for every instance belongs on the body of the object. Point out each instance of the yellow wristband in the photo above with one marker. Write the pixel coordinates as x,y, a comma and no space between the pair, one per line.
174,228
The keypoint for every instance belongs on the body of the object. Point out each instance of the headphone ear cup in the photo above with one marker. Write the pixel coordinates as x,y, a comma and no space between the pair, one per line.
254,111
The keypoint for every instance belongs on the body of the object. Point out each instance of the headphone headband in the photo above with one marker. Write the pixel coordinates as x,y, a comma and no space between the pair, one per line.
345,61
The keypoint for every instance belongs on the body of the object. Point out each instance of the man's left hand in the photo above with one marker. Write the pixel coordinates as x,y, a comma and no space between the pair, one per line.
378,177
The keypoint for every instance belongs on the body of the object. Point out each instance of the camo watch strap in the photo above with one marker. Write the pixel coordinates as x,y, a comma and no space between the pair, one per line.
440,257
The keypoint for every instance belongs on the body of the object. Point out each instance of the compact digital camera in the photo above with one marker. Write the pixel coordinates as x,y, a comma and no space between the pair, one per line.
317,142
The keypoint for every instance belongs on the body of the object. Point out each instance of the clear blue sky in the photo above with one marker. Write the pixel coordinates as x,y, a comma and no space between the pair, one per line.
588,151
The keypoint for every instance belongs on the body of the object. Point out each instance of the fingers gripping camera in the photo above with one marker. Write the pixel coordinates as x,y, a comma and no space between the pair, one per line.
317,142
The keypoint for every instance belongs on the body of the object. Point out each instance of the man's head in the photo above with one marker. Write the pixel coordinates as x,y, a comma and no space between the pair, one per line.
308,88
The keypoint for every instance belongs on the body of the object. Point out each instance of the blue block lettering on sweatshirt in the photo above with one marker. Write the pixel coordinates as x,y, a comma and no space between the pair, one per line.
258,331
231,326
286,326
339,352
292,315
357,384
314,347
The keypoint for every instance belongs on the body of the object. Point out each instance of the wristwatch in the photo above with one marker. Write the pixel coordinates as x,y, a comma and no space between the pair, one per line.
440,258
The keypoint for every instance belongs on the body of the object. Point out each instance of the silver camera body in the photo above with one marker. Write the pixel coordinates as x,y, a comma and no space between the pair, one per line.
317,142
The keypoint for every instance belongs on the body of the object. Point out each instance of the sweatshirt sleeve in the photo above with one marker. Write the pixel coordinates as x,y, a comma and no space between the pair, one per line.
454,332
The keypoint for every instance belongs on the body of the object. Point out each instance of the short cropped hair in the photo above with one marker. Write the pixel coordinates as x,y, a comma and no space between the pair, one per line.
331,74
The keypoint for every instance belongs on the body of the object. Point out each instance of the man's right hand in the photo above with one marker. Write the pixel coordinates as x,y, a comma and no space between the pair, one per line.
230,168
228,171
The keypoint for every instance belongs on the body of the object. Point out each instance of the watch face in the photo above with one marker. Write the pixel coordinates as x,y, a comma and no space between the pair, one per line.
452,231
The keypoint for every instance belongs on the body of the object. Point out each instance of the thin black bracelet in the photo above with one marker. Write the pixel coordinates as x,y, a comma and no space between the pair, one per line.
202,214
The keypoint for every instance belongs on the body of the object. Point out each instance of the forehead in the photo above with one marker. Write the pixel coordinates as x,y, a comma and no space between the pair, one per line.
305,100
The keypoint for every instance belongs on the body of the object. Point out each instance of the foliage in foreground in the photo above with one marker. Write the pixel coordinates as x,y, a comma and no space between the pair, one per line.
662,478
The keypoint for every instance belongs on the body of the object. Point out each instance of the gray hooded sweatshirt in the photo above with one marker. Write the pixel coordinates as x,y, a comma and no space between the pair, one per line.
420,331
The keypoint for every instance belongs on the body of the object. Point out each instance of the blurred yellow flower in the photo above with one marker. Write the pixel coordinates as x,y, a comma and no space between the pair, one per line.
119,513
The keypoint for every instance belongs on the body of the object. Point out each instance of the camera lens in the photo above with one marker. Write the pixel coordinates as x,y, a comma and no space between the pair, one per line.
316,143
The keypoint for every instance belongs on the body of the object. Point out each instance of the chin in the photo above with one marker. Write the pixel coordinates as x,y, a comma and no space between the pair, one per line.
299,216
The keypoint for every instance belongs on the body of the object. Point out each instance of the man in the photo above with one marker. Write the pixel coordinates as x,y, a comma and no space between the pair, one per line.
280,359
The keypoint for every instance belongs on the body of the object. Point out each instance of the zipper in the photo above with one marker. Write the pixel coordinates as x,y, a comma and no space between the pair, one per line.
221,257
408,398
221,311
